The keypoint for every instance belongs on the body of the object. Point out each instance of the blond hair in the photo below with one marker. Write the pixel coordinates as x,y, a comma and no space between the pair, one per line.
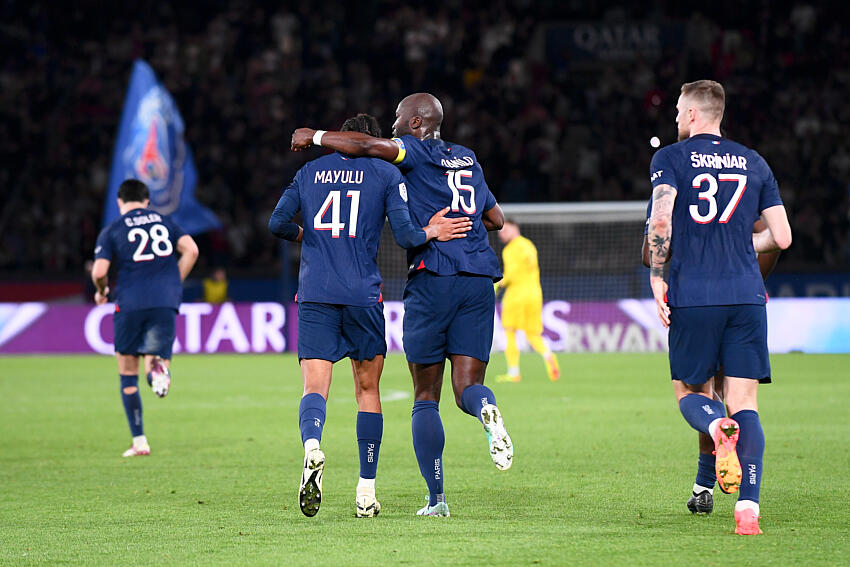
709,96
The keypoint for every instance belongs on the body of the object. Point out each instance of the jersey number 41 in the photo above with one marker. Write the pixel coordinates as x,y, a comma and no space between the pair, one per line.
332,202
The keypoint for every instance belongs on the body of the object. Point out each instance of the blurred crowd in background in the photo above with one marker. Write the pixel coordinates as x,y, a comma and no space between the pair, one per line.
555,112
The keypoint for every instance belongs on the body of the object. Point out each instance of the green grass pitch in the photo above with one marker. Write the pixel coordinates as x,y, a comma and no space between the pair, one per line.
603,466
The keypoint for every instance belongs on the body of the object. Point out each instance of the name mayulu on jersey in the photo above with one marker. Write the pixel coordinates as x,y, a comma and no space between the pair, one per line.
354,177
717,161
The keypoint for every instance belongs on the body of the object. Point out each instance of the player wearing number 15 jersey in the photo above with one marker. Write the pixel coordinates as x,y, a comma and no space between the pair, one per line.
707,193
344,201
143,245
449,300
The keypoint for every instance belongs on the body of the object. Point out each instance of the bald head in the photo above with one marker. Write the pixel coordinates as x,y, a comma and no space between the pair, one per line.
420,115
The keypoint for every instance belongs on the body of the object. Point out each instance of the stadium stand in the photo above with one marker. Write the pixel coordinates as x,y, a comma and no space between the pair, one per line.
559,100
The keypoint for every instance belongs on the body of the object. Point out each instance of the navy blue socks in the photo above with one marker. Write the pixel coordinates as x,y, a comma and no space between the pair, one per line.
750,452
706,475
700,411
475,397
311,416
428,442
370,429
132,403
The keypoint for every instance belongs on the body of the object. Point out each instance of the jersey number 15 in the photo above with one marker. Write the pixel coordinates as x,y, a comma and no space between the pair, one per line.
456,185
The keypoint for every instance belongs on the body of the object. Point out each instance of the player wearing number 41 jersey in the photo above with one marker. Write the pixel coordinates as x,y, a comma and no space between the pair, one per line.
143,245
449,300
344,201
707,193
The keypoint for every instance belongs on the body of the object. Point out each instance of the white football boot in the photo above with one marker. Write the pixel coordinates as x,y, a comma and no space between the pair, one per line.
501,447
160,378
366,505
439,509
140,449
310,493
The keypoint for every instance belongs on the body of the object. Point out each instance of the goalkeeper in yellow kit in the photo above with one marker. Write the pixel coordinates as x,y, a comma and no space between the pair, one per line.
522,303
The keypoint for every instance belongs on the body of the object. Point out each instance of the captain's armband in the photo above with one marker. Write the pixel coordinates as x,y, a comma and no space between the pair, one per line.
402,151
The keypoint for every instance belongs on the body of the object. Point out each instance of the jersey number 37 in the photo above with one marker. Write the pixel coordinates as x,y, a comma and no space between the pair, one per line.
708,195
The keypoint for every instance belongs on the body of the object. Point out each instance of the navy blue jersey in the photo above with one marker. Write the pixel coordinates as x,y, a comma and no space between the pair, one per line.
722,188
344,202
142,245
439,175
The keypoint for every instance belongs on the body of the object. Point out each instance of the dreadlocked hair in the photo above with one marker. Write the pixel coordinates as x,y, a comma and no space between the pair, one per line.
363,123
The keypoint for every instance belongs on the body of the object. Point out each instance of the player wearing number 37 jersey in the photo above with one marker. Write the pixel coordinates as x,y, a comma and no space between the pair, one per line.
707,193
144,246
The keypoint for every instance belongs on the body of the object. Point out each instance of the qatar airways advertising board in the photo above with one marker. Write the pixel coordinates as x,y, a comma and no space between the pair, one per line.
629,325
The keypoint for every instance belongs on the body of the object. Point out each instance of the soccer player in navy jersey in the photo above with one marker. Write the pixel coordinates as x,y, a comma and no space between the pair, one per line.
707,192
143,245
449,300
701,500
344,200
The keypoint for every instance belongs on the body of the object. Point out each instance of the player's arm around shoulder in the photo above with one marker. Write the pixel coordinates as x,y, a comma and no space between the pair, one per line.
188,250
351,143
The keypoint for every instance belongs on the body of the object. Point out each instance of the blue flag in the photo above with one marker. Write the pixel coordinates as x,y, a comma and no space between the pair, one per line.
151,148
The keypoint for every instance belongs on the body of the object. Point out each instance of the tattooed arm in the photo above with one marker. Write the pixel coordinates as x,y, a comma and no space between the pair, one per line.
660,232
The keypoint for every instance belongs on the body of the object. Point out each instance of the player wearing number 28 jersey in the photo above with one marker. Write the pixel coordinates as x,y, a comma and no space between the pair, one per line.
707,193
144,246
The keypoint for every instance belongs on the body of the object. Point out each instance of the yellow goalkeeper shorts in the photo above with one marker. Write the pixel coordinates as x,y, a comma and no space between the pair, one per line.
523,313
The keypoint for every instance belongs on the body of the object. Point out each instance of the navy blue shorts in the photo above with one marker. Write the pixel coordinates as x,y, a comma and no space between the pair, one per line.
332,332
145,331
733,336
446,315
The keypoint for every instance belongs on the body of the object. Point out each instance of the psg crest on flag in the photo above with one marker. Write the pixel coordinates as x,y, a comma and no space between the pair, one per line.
157,150
151,148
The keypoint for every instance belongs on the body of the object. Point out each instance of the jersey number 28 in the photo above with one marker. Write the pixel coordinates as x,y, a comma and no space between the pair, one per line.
158,237
708,195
